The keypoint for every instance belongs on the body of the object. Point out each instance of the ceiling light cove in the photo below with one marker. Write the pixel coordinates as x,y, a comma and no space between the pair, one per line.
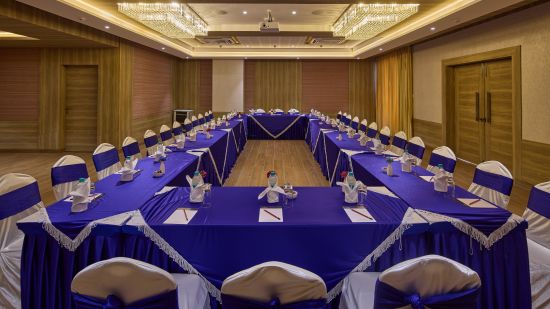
365,21
175,20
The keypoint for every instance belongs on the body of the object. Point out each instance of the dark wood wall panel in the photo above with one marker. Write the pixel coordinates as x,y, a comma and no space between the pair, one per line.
325,85
429,132
249,84
205,91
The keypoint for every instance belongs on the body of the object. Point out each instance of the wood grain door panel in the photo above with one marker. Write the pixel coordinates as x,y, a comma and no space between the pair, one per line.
81,95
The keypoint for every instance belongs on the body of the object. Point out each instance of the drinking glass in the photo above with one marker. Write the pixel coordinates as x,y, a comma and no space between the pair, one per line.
362,198
207,200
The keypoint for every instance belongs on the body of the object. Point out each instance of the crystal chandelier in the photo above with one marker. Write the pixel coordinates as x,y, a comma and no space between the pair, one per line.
175,20
364,21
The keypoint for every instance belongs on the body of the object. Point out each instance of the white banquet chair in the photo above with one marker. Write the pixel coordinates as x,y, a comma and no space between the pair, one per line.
399,143
442,155
364,126
260,111
293,111
416,148
128,281
384,136
355,123
210,116
492,182
66,173
339,116
177,129
130,148
201,120
106,160
166,135
537,216
195,122
423,277
19,198
150,140
347,120
273,281
187,125
278,110
372,130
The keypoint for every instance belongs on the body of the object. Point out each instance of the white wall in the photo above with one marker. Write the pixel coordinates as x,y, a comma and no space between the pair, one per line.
227,85
529,28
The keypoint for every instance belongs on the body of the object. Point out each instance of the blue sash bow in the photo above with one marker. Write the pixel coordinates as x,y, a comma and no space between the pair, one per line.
388,297
448,164
18,200
384,139
188,127
150,141
232,302
130,149
177,130
539,202
68,173
105,159
416,150
168,300
166,135
399,142
371,132
354,125
496,182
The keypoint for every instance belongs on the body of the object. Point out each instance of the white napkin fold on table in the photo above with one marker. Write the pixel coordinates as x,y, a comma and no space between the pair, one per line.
179,216
80,196
272,194
350,194
197,193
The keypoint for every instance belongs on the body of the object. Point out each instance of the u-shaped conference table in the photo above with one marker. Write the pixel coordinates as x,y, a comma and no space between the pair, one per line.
410,219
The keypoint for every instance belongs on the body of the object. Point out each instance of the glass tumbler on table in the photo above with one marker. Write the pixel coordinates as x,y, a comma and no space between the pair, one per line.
207,199
362,197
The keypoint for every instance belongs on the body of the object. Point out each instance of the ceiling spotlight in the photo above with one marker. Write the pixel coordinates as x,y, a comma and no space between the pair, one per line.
358,58
107,27
293,12
245,12
247,45
245,58
298,58
432,28
163,48
292,46
380,49
187,57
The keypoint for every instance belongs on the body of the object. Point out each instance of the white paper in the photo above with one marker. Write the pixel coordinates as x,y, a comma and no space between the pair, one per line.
178,217
355,217
428,178
266,217
91,197
481,204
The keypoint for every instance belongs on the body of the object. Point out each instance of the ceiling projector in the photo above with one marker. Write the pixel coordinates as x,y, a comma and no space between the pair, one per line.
269,25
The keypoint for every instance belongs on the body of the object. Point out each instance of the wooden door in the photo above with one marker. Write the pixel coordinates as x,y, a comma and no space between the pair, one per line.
468,128
81,94
498,112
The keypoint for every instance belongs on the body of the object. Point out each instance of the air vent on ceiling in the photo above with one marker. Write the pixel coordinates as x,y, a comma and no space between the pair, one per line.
325,40
218,40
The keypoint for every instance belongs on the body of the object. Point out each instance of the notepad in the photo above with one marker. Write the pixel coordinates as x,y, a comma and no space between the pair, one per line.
270,214
428,178
481,204
358,214
181,216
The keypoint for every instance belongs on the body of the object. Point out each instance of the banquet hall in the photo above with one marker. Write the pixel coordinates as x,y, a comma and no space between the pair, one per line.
244,154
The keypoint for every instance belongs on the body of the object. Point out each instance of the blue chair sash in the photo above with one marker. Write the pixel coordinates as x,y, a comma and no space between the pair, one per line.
130,149
188,127
150,141
166,135
202,121
399,142
363,127
168,300
210,117
177,130
279,113
388,297
195,123
232,302
448,164
496,182
416,150
18,200
371,132
105,159
354,125
384,139
68,173
539,202
338,116
347,121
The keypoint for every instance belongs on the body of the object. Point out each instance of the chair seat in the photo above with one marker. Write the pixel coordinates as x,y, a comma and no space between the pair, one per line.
539,269
358,290
192,293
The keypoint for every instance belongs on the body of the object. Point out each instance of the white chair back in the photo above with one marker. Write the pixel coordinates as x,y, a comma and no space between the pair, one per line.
106,160
260,110
442,155
384,135
537,214
399,143
128,279
177,128
372,131
492,182
19,198
151,140
201,120
364,125
266,281
166,135
278,110
64,180
416,148
129,147
194,121
293,111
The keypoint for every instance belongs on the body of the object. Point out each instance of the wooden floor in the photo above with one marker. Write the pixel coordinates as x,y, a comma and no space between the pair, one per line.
292,160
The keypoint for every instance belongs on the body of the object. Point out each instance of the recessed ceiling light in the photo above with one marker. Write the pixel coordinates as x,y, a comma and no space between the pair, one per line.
380,48
247,45
298,58
163,48
245,58
245,12
293,12
187,57
432,28
358,58
292,46
107,27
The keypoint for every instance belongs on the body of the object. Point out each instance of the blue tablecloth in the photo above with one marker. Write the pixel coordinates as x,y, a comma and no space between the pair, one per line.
283,126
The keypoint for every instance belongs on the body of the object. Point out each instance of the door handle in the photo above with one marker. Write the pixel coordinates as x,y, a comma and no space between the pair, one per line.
489,107
477,106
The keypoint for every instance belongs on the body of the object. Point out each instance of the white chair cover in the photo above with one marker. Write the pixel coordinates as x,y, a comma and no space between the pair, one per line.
486,193
427,276
413,142
11,238
115,167
132,280
201,120
355,123
384,135
293,111
278,110
177,128
372,131
62,190
151,148
128,141
165,131
265,281
443,151
195,122
260,110
395,145
364,125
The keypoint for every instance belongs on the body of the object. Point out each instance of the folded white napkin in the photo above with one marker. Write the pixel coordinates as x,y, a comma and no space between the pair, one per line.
272,194
197,193
350,194
80,196
359,214
270,214
363,140
440,182
181,216
180,141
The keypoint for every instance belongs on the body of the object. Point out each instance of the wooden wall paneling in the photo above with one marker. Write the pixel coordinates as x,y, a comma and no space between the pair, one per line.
325,85
205,87
125,63
278,84
430,132
534,166
249,84
50,117
361,90
187,84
